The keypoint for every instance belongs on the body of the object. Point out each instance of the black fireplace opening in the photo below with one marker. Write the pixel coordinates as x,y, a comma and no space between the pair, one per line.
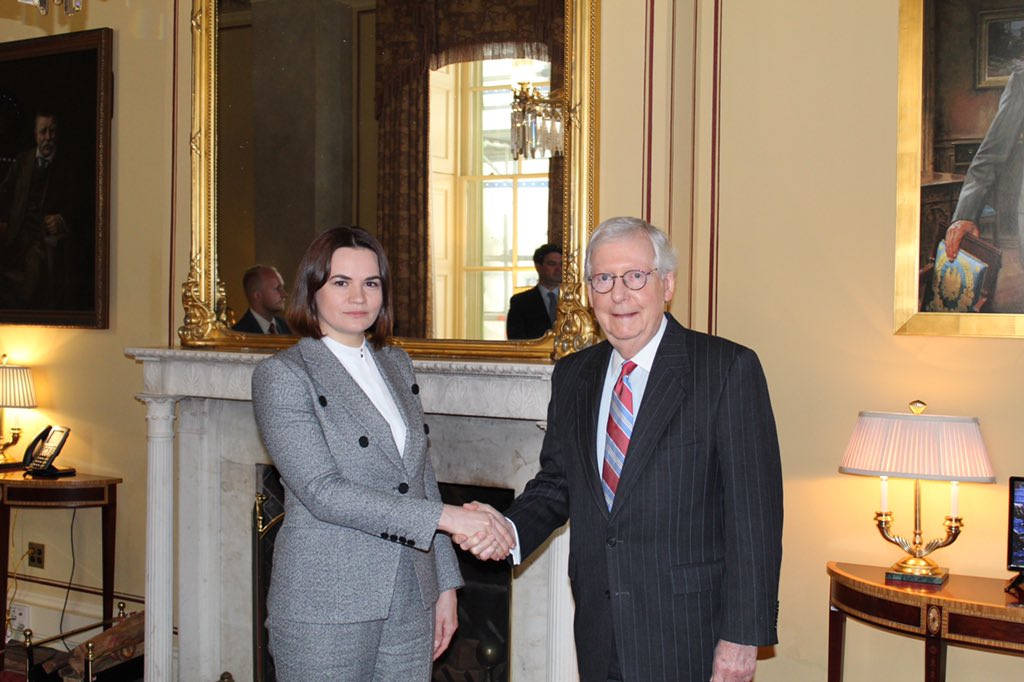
479,650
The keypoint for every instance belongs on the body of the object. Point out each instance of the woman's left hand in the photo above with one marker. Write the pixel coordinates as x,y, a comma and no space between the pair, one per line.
446,620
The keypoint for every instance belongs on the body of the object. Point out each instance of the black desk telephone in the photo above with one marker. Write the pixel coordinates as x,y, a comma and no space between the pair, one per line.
43,449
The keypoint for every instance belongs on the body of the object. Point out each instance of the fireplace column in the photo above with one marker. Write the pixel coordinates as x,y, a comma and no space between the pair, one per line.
159,536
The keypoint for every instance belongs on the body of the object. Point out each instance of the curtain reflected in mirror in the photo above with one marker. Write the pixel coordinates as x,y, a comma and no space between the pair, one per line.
393,115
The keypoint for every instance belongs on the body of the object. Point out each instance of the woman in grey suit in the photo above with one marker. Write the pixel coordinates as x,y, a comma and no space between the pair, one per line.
362,587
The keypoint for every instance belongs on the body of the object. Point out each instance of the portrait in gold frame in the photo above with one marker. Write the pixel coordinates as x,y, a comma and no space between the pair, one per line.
913,155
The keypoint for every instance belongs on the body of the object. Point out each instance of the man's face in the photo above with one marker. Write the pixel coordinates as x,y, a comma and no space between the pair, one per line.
549,270
46,135
271,294
629,318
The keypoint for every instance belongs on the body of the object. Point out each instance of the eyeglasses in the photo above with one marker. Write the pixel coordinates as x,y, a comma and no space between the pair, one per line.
635,280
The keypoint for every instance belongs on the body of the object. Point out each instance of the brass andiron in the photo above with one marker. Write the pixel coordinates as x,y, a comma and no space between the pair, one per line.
918,567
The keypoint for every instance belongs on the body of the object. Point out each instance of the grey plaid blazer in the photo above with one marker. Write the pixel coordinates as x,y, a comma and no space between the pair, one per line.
353,505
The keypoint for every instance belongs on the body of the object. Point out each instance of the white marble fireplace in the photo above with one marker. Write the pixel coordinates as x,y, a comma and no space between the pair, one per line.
485,420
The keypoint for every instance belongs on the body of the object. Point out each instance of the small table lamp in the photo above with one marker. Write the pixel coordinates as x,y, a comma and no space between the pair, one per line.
918,446
16,390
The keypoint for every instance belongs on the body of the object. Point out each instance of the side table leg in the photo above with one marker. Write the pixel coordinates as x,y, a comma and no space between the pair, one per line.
934,659
109,513
836,640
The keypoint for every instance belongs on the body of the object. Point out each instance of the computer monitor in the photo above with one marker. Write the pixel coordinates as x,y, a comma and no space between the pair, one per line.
1015,530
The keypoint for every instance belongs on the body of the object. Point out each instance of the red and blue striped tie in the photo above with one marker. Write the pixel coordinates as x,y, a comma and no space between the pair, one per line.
620,428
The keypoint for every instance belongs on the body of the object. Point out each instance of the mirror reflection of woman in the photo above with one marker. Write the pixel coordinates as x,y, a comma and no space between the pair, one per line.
362,587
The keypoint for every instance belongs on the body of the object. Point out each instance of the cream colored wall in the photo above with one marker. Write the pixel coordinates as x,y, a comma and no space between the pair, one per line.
82,377
807,180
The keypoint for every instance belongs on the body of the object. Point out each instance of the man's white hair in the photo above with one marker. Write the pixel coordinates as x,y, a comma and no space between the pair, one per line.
612,229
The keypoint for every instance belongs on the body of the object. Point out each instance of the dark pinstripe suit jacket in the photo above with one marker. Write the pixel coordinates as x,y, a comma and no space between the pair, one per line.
690,552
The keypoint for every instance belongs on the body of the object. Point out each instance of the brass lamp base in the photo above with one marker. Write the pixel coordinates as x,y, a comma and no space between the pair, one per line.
918,570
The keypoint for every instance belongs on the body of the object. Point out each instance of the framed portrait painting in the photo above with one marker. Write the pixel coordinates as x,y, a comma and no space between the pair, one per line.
960,169
55,113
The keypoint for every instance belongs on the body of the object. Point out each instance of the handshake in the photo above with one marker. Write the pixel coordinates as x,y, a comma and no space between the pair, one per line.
479,528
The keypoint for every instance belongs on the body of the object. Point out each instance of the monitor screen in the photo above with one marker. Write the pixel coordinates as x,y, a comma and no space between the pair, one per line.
1015,542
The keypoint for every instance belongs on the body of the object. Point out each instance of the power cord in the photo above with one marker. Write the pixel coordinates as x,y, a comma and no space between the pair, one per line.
71,578
13,573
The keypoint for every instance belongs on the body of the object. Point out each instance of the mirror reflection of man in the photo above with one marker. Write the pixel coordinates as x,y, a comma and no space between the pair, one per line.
264,288
36,224
532,312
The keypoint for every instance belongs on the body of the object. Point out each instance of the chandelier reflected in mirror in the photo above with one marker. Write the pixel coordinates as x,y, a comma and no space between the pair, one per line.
69,6
538,123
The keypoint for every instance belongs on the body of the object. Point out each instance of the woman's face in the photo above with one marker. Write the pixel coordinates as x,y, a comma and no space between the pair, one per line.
350,300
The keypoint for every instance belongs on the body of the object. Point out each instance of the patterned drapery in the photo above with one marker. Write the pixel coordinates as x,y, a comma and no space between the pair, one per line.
414,36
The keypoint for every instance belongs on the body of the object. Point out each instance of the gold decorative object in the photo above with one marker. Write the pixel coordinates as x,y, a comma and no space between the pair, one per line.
538,123
263,526
918,446
16,390
69,6
205,323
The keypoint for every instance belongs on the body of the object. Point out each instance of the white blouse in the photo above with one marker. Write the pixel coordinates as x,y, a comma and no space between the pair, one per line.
359,364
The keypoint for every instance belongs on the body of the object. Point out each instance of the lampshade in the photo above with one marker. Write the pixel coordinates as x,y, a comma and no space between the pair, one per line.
927,446
16,388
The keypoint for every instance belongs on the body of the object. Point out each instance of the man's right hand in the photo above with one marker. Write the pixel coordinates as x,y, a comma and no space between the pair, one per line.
955,234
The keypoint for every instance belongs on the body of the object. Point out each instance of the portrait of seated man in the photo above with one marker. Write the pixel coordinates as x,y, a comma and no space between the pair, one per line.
40,227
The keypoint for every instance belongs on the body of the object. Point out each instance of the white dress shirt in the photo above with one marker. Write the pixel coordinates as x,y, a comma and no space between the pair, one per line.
644,359
359,364
263,322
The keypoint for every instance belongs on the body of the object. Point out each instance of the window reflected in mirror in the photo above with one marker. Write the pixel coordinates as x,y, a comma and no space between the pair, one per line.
489,211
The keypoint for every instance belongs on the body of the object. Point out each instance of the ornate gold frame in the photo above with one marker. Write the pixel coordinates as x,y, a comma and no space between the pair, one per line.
906,317
203,297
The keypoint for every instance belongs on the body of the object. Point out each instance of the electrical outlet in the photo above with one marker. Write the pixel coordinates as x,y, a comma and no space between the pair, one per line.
36,554
19,618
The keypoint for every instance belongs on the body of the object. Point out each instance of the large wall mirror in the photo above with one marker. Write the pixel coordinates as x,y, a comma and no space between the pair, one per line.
393,115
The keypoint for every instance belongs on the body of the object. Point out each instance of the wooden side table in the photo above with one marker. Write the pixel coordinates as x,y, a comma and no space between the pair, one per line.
966,610
82,490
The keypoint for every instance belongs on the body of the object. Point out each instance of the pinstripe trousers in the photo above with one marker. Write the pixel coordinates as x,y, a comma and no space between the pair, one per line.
398,647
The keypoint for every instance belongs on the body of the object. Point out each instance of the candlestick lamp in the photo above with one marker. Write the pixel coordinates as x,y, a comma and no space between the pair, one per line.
918,446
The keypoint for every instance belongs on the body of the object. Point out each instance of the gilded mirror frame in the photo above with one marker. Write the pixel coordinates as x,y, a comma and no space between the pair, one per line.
203,296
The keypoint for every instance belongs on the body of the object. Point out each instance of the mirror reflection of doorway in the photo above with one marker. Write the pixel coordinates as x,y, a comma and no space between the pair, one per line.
488,210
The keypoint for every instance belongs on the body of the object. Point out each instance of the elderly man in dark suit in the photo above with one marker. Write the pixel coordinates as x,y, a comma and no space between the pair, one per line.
264,288
532,312
661,452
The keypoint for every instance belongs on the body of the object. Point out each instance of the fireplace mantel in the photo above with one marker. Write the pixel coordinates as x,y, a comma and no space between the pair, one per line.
486,422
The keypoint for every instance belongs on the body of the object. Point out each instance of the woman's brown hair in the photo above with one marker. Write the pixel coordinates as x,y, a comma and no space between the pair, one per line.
315,268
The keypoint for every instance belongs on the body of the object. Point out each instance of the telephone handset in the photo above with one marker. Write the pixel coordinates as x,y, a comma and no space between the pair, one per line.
43,449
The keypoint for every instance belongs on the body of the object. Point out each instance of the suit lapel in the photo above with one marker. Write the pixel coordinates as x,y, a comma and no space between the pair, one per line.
665,392
342,392
588,403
